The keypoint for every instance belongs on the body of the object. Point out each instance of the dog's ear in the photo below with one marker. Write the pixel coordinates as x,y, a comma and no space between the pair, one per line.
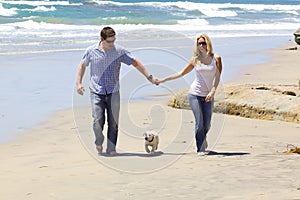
154,133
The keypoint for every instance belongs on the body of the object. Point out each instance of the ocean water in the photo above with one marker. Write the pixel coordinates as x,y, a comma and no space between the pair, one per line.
56,24
41,43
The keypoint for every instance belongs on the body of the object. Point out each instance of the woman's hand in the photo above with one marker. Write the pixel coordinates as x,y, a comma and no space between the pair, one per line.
210,96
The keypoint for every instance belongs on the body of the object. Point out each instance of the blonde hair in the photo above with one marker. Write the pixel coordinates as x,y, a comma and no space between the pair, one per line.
196,51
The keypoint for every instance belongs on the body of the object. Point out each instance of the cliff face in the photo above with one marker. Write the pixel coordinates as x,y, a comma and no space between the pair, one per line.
269,102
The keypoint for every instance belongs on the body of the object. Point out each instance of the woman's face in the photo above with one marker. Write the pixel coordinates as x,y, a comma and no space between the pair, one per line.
202,45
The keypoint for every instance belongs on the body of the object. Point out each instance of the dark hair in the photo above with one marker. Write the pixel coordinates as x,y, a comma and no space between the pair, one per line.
107,32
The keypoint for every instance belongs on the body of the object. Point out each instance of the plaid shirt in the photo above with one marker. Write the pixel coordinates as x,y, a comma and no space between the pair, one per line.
105,67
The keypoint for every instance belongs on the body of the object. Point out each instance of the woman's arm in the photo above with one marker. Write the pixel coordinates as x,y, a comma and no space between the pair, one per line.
188,68
217,78
218,72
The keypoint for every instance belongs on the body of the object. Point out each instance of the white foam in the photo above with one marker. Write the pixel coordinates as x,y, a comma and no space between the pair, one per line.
32,25
210,9
42,29
41,9
263,7
195,22
7,12
39,3
115,18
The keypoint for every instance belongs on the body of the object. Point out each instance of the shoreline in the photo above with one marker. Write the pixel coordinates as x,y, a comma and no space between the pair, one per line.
276,62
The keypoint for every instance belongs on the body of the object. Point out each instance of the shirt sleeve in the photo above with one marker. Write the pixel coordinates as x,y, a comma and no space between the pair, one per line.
86,58
127,57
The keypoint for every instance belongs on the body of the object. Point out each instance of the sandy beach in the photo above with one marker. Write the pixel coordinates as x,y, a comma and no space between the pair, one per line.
57,160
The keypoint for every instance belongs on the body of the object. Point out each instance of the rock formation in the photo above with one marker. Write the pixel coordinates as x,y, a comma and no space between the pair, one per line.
297,36
269,102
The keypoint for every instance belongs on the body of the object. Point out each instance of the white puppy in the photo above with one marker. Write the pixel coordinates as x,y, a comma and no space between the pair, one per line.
151,139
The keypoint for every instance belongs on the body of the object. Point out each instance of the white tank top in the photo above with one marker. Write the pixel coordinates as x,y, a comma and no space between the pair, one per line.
205,75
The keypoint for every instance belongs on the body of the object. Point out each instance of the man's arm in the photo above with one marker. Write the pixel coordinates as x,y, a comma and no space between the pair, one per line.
137,64
80,73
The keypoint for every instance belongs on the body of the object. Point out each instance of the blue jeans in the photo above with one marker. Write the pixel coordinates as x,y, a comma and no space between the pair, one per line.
111,104
202,111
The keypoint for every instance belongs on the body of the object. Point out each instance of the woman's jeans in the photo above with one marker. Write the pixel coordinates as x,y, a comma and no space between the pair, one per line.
202,111
111,104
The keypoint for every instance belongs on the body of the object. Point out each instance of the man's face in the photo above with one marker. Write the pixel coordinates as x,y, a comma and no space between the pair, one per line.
109,42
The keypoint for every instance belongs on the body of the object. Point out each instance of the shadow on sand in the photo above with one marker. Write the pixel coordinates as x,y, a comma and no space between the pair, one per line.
157,153
213,153
160,153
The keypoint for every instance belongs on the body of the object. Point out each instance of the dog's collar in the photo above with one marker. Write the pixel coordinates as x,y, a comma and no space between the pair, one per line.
151,140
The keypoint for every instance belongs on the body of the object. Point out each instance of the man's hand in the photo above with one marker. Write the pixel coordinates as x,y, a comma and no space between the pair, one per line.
80,89
155,81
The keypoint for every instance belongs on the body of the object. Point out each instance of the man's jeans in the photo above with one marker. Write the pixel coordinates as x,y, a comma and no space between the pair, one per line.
110,103
202,111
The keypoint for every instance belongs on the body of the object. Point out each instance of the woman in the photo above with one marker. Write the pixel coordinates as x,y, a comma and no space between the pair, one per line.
208,68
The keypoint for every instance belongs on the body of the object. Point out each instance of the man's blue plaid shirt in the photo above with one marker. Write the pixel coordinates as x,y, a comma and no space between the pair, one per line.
105,67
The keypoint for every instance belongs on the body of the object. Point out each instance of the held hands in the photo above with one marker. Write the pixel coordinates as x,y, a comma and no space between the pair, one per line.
153,80
157,81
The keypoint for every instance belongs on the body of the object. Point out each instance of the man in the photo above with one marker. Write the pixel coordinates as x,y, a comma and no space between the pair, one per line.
104,59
